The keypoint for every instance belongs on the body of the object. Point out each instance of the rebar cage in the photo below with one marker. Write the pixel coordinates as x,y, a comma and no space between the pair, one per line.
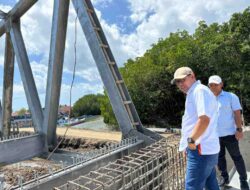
158,166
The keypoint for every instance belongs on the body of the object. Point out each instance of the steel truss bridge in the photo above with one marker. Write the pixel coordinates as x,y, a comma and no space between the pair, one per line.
142,160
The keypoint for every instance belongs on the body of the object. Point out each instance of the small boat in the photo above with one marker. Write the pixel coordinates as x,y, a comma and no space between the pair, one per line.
76,122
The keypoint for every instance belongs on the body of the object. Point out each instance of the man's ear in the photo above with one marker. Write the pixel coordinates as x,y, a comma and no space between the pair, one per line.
193,75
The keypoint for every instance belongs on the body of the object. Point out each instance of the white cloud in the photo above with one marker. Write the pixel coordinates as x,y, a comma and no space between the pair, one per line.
36,34
1,60
78,91
119,45
18,89
88,74
157,18
19,98
103,3
5,8
40,76
2,49
154,19
141,8
36,27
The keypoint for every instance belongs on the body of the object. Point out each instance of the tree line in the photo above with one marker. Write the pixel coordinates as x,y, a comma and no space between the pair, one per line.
222,49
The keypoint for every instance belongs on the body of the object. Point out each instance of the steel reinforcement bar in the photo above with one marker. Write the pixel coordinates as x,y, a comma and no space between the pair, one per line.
81,164
158,166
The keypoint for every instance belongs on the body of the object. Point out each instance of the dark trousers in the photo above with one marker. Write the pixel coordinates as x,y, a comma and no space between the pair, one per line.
232,145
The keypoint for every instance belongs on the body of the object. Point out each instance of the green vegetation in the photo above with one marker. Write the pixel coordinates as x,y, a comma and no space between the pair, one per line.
222,49
107,111
22,111
87,105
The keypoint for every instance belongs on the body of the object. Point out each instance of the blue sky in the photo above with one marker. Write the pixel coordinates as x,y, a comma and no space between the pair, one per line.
117,12
131,26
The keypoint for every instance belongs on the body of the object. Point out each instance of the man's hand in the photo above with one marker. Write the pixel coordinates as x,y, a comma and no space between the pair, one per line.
191,146
238,122
238,135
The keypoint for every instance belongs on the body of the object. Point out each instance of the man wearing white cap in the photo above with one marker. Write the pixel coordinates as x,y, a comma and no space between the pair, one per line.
199,138
229,130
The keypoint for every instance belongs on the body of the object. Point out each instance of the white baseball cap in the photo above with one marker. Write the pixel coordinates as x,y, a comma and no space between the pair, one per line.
214,79
181,73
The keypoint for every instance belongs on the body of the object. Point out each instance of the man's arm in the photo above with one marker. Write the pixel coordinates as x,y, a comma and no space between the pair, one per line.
199,128
238,122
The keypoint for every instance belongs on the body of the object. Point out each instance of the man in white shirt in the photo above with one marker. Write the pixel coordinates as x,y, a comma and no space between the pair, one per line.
199,137
229,130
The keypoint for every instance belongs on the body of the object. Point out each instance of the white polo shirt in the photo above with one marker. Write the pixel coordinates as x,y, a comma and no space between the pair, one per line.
228,103
200,101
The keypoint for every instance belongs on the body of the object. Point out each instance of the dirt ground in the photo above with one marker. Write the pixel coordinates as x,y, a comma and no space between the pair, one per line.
89,134
111,135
